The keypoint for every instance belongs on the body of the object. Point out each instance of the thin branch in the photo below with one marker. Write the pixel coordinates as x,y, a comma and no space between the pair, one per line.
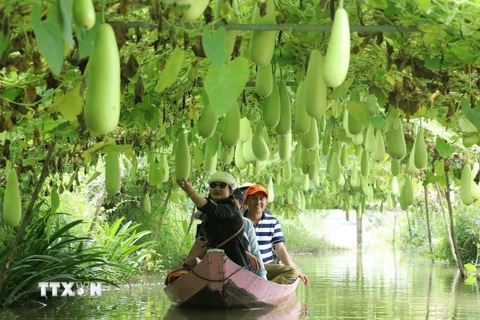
160,218
28,214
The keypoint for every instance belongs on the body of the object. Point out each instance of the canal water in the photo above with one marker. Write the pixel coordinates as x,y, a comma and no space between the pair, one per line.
347,285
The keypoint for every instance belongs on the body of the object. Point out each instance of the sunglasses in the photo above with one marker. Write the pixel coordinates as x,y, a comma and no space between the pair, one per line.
221,185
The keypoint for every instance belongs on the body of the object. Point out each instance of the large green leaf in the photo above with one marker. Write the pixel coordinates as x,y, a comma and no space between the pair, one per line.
215,45
64,9
472,114
86,38
172,68
424,4
49,37
225,84
358,111
444,149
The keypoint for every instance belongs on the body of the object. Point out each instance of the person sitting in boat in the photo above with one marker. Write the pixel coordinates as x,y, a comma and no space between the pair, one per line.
223,224
269,233
253,253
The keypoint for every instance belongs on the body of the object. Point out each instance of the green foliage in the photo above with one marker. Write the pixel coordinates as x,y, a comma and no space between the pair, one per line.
121,242
299,238
467,231
50,252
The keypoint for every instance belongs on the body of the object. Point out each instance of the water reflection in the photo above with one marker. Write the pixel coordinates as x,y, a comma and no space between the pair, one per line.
288,310
377,285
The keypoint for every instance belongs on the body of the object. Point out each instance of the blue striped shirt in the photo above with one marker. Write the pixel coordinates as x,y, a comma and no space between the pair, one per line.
268,232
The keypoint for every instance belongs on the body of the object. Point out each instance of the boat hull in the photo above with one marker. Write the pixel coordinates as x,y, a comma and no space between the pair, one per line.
217,282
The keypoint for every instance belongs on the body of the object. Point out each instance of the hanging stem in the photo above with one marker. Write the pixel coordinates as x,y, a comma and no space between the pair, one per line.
452,227
425,191
340,4
102,11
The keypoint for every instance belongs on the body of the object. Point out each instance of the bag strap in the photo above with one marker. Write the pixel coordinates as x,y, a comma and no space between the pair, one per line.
232,236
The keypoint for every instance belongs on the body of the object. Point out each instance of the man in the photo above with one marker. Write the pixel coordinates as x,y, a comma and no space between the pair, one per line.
253,252
269,233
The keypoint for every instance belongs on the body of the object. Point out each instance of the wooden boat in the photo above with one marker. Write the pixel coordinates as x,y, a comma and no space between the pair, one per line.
218,282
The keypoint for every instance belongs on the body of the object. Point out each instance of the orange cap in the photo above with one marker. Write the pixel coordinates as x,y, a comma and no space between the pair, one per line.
256,188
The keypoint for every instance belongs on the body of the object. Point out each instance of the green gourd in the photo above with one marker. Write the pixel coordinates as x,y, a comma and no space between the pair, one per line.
337,58
248,154
245,129
371,105
259,146
285,121
370,139
365,165
271,108
12,202
83,13
309,140
334,170
301,117
315,87
112,173
264,81
420,159
182,158
147,204
231,131
240,162
466,182
285,146
102,95
379,154
396,141
395,167
262,43
207,122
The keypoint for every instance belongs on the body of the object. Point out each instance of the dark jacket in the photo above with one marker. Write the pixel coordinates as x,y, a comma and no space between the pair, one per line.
222,219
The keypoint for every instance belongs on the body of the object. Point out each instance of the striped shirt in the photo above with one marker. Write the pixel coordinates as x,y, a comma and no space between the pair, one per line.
268,232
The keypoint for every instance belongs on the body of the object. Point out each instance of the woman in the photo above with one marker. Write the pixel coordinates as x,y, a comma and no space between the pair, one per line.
223,224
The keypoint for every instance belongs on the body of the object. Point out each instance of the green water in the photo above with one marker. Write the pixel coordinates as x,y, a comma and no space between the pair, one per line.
343,286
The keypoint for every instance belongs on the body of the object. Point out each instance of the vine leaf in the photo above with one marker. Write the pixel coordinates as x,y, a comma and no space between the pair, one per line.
172,68
215,45
358,111
424,4
473,115
49,37
225,84
69,104
86,38
65,8
444,149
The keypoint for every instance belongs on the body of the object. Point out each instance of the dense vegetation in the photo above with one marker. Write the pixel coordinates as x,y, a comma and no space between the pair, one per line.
403,123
